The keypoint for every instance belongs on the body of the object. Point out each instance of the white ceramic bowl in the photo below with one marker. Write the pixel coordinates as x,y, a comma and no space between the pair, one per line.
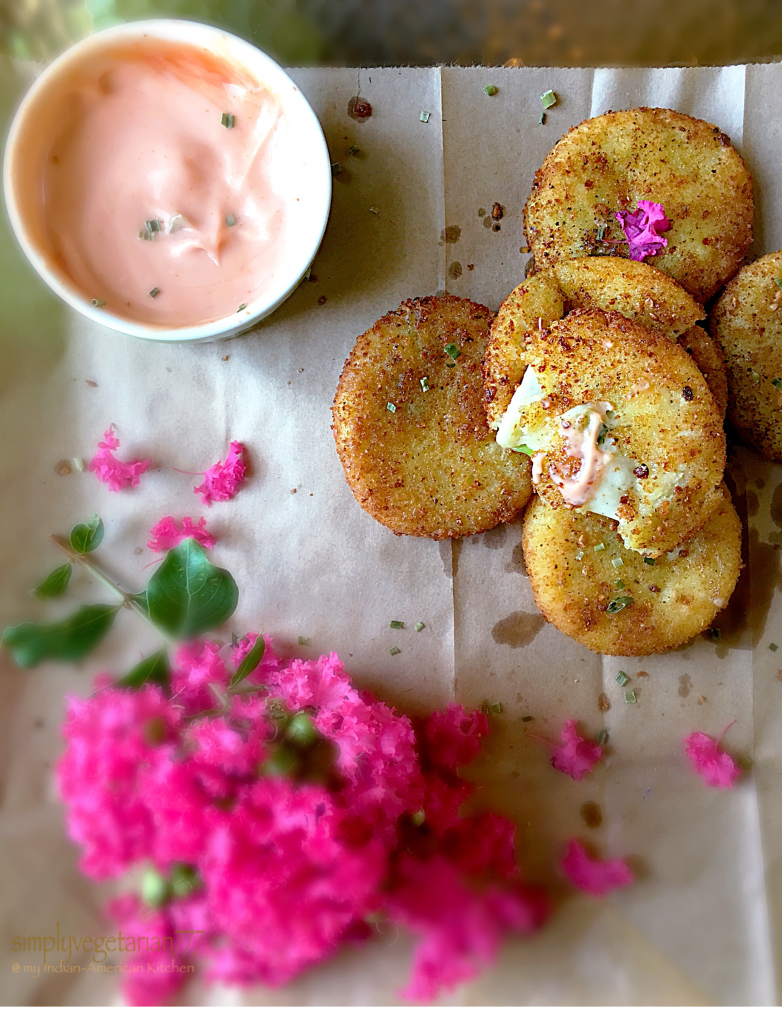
22,139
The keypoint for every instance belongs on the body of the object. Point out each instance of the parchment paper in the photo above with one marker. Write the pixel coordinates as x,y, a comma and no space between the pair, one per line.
701,923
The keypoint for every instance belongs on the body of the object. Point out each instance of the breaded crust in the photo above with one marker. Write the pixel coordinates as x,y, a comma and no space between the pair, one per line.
637,291
611,162
666,420
747,323
671,601
429,467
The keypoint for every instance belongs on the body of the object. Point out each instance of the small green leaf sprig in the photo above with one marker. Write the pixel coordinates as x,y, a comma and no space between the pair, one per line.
185,597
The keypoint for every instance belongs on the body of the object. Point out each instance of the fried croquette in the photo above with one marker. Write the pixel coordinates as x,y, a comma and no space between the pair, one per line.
609,163
410,426
747,323
637,291
620,422
707,356
614,601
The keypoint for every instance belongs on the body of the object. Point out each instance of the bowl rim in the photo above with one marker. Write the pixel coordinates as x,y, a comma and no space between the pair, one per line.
261,66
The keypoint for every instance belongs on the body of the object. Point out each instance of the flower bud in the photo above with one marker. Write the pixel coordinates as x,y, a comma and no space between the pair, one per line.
155,890
301,731
282,761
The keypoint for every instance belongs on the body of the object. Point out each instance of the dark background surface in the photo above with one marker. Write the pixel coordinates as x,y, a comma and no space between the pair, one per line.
410,32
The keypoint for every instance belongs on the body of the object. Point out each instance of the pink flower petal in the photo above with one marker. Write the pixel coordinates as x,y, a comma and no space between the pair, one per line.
578,756
166,534
717,768
641,229
454,736
110,470
222,480
597,877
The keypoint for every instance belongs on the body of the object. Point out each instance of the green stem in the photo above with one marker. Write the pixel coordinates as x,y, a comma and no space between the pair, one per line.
127,600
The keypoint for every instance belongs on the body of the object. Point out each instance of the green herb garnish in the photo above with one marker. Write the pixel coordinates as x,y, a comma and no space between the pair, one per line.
630,697
491,90
397,624
336,168
622,678
153,226
418,627
599,547
579,556
778,282
618,603
542,118
243,306
773,647
453,350
548,99
715,634
154,293
424,116
650,561
390,406
616,562
602,737
230,220
374,209
496,708
97,302
304,641
394,650
146,235
619,584
777,382
755,376
524,450
353,150
228,120
424,384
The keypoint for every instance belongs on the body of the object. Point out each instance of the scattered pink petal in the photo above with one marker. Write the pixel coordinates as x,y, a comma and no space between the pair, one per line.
222,480
166,534
578,756
717,768
597,877
454,736
110,470
641,229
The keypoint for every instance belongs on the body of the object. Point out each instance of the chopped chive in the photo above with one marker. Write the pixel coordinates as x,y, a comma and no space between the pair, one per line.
650,561
97,302
755,376
154,293
773,647
153,226
745,762
778,282
424,384
602,737
390,406
542,118
336,168
491,90
630,697
453,350
602,229
777,382
450,365
424,116
524,450
418,627
715,634
228,120
146,235
548,99
616,562
230,220
78,465
243,306
622,678
619,584
304,641
353,150
418,818
394,650
496,708
397,624
176,223
374,209
599,547
618,603
579,556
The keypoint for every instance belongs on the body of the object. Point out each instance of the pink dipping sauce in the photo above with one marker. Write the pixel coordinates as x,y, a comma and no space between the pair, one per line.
140,139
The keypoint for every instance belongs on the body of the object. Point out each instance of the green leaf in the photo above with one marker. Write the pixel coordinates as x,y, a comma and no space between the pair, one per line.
154,669
68,640
85,537
250,661
187,595
55,584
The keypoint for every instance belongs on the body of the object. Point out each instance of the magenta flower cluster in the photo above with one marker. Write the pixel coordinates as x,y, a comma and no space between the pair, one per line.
284,817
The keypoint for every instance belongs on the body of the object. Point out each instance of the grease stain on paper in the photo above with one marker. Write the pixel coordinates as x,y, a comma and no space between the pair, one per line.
591,814
517,629
685,685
